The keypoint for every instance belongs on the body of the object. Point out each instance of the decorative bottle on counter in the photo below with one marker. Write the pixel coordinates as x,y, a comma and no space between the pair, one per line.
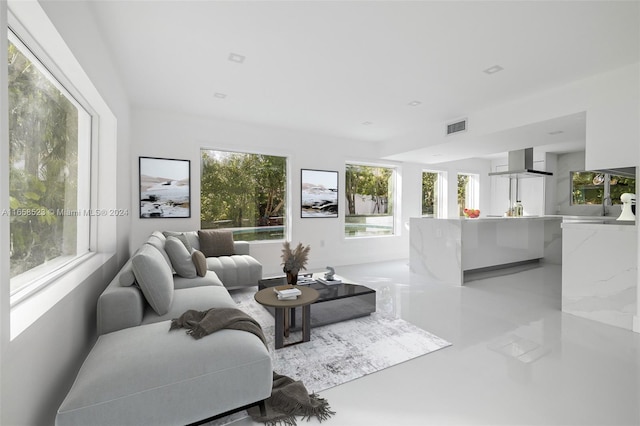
518,209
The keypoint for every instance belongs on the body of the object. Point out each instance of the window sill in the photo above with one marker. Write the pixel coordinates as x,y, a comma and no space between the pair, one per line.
28,311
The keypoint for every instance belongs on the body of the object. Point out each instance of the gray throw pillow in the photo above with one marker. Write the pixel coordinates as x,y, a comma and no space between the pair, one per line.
157,240
181,237
216,242
154,277
200,262
180,258
126,277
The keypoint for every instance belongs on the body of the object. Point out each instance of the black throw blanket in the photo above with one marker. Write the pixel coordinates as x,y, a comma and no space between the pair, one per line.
289,398
203,323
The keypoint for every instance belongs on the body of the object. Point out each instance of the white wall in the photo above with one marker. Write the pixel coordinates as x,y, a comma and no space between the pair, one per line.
38,366
613,130
611,101
173,135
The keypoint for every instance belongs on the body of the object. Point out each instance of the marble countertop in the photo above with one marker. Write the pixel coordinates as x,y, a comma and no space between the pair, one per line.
567,219
494,218
624,226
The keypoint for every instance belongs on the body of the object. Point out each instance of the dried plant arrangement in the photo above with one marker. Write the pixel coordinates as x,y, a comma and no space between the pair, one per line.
294,260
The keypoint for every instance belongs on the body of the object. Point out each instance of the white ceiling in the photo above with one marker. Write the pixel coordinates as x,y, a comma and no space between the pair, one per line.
330,66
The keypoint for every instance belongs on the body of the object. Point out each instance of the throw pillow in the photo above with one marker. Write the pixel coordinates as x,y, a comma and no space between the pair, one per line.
154,278
215,242
127,277
181,237
180,258
157,240
200,262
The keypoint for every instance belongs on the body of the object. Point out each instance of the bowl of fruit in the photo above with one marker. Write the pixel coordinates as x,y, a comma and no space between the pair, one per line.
471,213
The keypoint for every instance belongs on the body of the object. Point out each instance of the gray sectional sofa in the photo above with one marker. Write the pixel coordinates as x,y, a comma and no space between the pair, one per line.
140,373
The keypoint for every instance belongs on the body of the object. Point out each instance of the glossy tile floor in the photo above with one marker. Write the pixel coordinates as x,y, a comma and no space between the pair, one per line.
516,359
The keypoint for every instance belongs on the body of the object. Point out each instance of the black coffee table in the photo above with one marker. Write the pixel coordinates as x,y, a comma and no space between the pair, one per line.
337,302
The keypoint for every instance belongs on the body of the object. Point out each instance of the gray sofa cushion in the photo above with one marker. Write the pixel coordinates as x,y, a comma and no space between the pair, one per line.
180,258
157,240
126,276
216,242
210,278
154,277
130,376
181,236
237,270
119,307
198,298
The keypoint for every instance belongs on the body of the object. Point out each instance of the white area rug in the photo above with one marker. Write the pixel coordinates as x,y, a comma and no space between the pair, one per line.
341,352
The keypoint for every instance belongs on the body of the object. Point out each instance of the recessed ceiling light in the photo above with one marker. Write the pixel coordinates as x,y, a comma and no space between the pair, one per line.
367,123
556,132
220,95
234,57
414,103
494,69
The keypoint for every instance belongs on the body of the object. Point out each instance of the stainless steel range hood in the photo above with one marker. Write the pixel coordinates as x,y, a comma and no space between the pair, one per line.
521,165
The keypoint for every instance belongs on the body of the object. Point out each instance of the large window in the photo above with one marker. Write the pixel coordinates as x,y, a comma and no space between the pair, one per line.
433,194
245,193
589,187
49,172
370,198
468,192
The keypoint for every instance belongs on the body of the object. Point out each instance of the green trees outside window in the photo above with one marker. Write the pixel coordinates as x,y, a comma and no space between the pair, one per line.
369,192
468,192
430,199
245,193
43,165
589,187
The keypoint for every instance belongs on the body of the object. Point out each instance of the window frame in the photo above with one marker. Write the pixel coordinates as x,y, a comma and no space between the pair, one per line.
393,200
472,192
287,219
35,279
104,156
606,188
440,193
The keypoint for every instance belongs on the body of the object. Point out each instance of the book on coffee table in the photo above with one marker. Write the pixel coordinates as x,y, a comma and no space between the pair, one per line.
294,297
287,292
334,281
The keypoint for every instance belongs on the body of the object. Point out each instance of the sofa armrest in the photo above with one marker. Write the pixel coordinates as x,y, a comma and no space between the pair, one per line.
241,247
119,308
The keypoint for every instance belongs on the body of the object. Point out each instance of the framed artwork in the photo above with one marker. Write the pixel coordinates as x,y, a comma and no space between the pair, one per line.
165,190
319,193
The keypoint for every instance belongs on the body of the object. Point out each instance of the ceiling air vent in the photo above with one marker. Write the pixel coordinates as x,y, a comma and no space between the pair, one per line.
457,127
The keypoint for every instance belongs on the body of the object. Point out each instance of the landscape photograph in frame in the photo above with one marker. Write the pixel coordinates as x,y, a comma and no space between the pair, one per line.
319,193
165,190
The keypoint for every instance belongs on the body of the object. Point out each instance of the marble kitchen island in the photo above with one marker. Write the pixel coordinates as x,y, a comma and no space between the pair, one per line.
599,272
447,249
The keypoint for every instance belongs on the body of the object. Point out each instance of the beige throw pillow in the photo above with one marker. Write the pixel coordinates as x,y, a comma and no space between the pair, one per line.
200,262
215,242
